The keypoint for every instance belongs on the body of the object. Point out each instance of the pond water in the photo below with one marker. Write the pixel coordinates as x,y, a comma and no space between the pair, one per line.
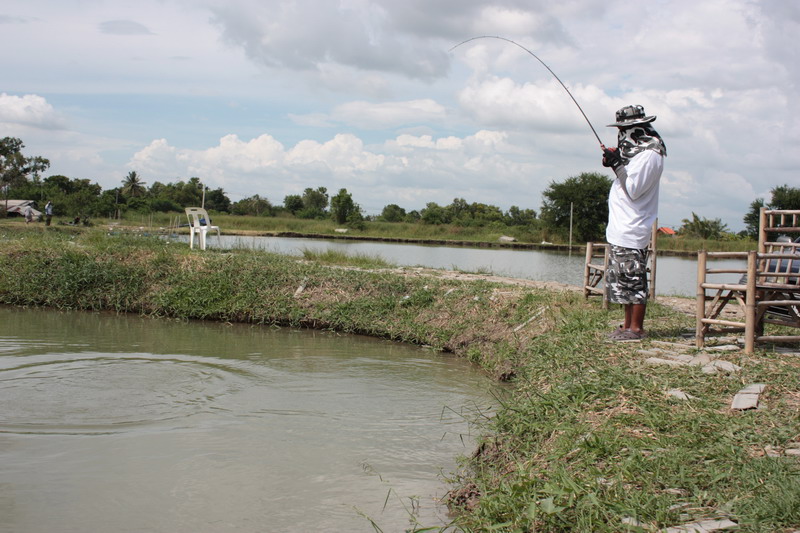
122,423
675,276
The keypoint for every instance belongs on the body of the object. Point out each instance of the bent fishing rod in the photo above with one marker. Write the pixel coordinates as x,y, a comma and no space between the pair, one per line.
545,66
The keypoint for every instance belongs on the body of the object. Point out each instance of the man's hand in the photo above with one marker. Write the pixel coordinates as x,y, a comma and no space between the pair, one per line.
611,158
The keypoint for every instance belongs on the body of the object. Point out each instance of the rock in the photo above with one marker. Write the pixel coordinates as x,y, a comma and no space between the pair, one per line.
341,230
792,449
301,288
701,359
725,366
631,521
769,451
679,395
506,238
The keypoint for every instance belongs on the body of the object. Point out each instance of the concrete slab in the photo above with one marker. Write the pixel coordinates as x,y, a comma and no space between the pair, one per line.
674,345
755,388
723,348
748,397
704,526
660,361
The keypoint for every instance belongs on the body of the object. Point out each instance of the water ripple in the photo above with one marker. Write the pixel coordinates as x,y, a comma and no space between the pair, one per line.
98,393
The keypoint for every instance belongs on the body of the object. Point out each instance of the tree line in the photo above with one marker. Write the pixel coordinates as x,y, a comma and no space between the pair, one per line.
578,202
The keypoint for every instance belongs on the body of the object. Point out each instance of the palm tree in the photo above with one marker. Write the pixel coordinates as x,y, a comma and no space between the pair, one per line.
133,185
703,228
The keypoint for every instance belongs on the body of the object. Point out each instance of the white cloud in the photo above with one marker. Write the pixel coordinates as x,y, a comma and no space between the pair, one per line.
29,110
124,27
403,167
388,115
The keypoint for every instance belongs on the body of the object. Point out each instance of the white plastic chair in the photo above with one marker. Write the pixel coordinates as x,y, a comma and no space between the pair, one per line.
198,224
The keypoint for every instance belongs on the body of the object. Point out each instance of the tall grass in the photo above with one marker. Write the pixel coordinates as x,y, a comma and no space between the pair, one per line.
683,244
333,257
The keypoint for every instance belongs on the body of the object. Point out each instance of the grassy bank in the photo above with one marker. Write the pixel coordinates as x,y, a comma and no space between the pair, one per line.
587,438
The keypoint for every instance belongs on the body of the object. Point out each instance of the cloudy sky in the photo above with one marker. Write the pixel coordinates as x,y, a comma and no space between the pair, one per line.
269,97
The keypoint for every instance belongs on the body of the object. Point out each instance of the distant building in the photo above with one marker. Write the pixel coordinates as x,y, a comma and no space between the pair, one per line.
17,208
666,231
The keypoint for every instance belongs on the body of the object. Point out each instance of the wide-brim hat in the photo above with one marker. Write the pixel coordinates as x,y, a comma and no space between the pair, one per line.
631,115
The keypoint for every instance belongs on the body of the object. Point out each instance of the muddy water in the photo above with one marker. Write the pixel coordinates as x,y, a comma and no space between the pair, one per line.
117,423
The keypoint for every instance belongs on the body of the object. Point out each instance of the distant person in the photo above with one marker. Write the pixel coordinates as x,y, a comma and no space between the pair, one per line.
48,213
637,161
28,213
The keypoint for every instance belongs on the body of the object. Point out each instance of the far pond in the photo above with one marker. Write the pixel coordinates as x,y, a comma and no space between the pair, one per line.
675,276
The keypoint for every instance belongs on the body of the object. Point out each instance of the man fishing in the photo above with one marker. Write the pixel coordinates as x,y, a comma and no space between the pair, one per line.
638,162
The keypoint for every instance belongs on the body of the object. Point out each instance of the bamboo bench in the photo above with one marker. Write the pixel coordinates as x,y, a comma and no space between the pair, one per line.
768,291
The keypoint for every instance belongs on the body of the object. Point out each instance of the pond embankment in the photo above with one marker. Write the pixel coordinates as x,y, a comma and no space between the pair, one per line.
501,245
593,435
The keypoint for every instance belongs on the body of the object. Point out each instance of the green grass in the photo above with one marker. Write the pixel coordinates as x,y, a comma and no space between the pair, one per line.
682,244
333,257
588,438
583,439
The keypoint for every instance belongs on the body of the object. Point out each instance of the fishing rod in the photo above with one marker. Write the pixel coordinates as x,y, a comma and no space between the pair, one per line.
545,66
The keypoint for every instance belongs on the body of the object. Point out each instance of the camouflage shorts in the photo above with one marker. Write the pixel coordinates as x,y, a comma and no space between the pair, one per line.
626,277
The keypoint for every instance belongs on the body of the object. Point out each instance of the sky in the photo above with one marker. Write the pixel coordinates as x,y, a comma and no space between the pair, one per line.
270,97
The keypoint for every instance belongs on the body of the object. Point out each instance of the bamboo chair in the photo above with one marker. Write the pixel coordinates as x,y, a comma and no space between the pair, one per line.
767,293
596,264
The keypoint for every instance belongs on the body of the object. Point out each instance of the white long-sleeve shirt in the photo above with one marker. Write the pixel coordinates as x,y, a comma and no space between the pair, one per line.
631,216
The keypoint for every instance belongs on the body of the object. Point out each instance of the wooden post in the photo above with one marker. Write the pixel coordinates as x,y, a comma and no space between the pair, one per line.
570,228
700,304
586,269
750,305
762,230
606,250
653,260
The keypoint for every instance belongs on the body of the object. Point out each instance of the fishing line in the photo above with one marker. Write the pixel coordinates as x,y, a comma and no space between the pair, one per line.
545,66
